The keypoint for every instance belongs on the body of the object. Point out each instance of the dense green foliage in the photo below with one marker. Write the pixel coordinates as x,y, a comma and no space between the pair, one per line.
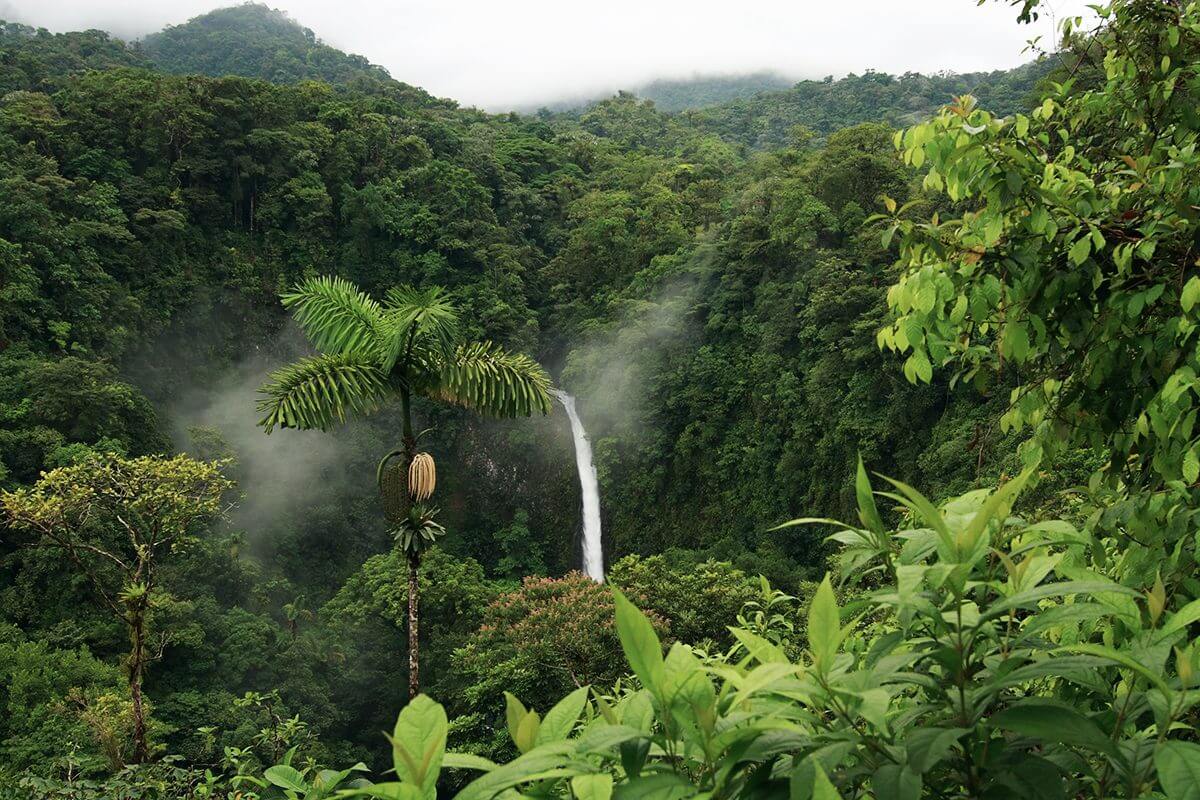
254,41
712,286
36,60
771,119
993,658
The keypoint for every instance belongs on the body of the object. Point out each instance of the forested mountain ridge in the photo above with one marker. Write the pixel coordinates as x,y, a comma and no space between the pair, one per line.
253,41
770,119
710,285
767,109
34,59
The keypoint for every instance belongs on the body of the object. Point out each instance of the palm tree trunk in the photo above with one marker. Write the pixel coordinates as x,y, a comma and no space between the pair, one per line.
414,562
414,591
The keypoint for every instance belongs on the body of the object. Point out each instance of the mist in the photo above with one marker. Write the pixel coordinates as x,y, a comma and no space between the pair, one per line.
281,477
502,56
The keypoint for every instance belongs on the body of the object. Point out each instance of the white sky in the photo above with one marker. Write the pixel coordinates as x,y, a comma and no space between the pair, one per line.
499,55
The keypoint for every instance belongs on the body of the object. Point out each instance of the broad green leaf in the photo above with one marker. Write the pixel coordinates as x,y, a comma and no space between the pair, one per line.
419,743
1048,721
824,625
467,761
1080,250
1181,619
527,732
920,505
1178,765
822,788
543,762
1030,597
514,712
391,790
640,643
603,738
286,777
1191,294
896,782
1122,659
868,512
994,509
759,648
655,786
928,746
1191,466
592,787
560,720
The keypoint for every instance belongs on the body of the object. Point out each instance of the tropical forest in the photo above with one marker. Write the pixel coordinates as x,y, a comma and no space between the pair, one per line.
726,435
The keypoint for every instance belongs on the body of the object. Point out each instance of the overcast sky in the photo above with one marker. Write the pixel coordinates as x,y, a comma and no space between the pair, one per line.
499,55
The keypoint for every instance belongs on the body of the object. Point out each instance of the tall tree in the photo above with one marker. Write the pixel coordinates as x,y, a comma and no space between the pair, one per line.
374,354
115,519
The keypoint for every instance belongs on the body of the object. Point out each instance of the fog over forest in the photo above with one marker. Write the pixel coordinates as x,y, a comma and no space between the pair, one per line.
514,55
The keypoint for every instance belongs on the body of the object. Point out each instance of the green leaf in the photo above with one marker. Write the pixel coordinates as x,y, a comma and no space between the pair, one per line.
896,782
286,777
994,509
1190,294
1048,721
391,790
868,512
467,761
1080,250
419,744
538,764
1030,597
592,787
919,504
759,648
640,643
1124,660
514,713
824,625
527,732
656,786
928,746
1191,466
822,788
560,720
1181,619
1178,765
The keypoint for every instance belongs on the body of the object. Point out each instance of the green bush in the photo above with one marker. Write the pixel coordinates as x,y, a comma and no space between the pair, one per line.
982,655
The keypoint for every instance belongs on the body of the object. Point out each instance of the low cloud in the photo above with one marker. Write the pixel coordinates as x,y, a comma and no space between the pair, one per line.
507,55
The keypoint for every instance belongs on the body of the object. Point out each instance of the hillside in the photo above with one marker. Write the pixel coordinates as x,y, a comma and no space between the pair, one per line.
702,91
769,119
254,41
33,59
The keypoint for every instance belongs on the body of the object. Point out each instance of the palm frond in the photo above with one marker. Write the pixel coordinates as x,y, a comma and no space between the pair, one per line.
321,392
412,317
335,315
491,380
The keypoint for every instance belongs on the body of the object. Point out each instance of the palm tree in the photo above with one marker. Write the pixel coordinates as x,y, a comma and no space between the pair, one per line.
373,354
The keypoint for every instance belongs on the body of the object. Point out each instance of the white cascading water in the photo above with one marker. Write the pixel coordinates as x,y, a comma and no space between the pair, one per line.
593,551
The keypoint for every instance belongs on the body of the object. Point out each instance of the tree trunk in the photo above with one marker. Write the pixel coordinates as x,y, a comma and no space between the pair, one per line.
414,560
137,666
414,591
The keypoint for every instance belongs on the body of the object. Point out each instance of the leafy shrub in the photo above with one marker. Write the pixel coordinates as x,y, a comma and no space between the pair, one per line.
539,642
697,601
983,656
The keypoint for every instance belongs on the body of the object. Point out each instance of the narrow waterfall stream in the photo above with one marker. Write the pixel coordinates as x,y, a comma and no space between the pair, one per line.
593,551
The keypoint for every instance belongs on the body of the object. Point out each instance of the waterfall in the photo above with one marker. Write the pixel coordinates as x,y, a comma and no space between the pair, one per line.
593,552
